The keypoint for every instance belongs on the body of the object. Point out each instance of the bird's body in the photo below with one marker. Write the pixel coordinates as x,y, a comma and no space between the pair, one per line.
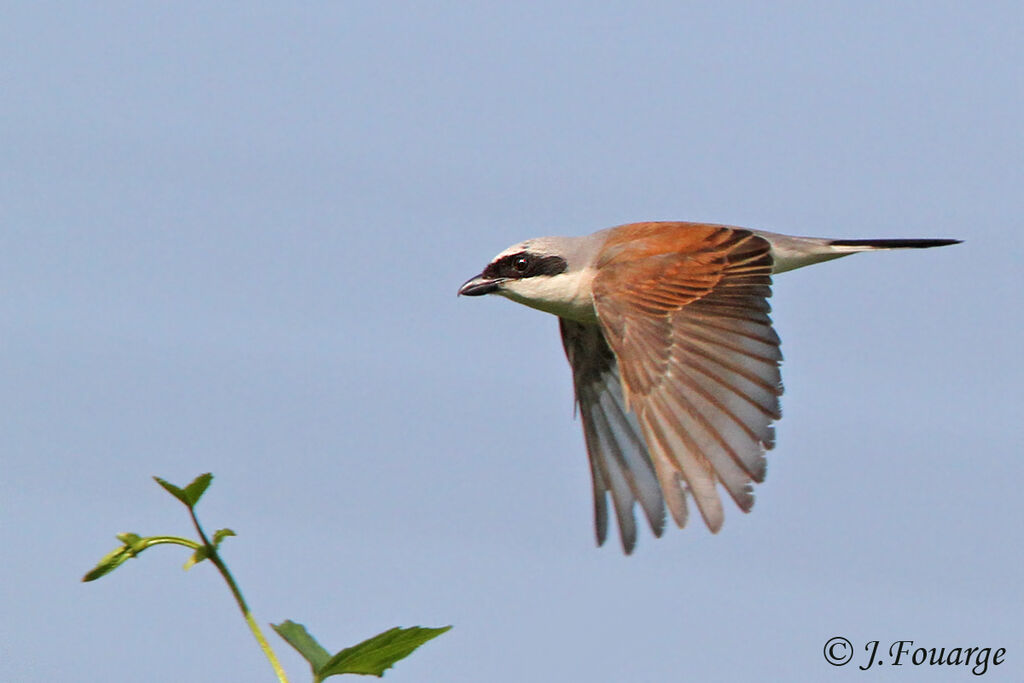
675,362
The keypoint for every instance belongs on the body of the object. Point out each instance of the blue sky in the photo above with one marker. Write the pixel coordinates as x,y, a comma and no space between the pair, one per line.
231,241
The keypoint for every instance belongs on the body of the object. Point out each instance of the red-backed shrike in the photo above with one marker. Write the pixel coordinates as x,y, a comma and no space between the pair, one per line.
674,359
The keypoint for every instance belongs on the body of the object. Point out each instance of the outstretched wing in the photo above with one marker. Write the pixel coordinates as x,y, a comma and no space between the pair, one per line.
619,462
684,309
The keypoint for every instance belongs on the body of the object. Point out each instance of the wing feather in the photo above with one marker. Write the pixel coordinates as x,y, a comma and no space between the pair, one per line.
676,447
684,309
619,462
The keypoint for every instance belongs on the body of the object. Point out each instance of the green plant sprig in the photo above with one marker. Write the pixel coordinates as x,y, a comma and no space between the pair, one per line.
370,657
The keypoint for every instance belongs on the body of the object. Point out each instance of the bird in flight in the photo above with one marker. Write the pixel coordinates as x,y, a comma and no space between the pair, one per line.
674,360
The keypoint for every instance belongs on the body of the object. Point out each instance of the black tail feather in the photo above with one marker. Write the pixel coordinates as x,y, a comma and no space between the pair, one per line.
895,244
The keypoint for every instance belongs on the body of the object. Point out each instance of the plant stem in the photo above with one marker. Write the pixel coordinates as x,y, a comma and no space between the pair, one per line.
176,540
253,626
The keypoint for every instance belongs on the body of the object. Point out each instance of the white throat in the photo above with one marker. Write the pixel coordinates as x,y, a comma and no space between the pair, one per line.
567,295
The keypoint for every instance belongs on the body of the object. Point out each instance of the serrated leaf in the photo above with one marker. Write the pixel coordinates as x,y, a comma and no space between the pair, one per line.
195,490
374,656
220,534
201,553
173,490
108,563
298,637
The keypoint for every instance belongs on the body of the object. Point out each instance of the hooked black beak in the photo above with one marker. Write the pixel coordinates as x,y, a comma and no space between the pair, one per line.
480,285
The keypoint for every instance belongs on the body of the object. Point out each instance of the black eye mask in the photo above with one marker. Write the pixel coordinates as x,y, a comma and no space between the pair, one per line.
523,265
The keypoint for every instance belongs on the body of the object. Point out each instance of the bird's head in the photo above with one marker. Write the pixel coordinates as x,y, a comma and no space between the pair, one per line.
552,274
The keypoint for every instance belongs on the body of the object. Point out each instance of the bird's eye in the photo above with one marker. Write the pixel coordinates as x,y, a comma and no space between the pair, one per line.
521,264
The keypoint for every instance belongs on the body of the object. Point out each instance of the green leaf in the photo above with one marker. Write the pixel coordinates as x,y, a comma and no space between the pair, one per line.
379,653
133,543
220,534
195,490
173,490
201,553
299,638
109,562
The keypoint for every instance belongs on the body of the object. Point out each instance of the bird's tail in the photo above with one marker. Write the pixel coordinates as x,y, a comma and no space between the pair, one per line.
796,252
